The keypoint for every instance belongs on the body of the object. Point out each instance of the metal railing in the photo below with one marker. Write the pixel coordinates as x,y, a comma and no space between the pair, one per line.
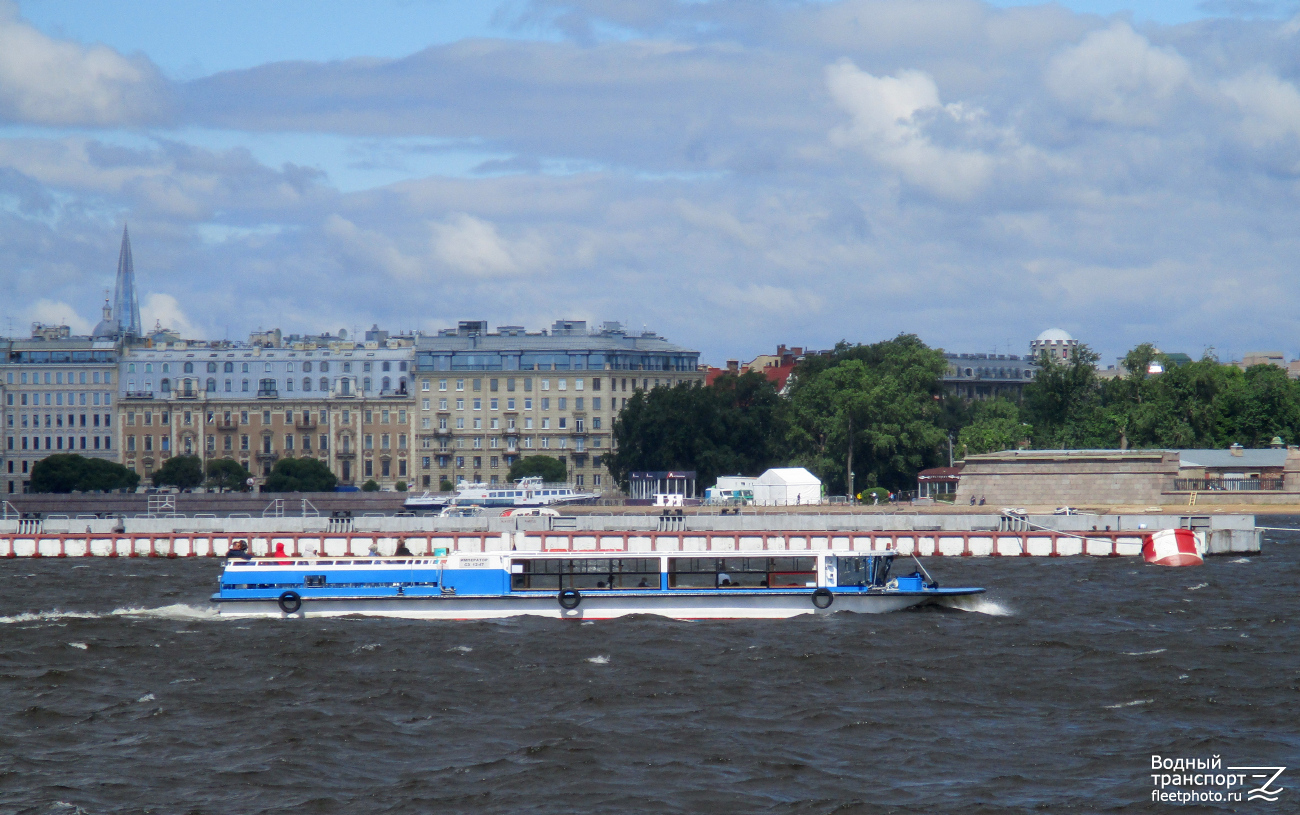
1228,484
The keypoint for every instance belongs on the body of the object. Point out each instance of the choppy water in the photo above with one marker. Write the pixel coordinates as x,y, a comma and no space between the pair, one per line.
120,692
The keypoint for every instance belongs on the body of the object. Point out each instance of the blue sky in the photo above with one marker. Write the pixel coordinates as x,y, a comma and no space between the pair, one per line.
733,174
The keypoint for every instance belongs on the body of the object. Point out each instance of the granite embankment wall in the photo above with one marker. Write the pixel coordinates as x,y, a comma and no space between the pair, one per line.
205,503
1059,478
1091,478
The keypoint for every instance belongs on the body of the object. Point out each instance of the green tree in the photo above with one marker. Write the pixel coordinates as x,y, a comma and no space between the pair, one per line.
400,486
1259,404
370,486
182,472
550,469
301,475
873,410
995,425
228,475
735,425
68,472
445,485
1064,403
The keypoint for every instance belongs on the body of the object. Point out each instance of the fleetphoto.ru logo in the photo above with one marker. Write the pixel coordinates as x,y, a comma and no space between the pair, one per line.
1205,780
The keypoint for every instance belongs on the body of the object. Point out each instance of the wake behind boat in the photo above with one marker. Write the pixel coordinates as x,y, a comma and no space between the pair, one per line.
751,585
527,492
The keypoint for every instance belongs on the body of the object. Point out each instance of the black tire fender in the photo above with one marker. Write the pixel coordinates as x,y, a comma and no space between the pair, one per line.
290,602
823,598
569,599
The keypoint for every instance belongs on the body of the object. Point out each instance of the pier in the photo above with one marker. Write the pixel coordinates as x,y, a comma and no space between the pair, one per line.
923,535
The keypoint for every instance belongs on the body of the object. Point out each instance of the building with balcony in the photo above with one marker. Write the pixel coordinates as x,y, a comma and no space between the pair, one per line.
347,404
485,398
988,376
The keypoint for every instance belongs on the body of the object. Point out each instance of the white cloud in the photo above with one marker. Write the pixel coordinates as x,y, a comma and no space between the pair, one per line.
887,124
1270,107
55,82
368,249
164,309
1115,75
475,246
53,312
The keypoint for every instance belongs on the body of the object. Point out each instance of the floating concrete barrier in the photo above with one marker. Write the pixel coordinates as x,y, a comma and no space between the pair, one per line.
298,543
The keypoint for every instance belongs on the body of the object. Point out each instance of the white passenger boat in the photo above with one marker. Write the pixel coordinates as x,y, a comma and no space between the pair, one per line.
527,492
571,585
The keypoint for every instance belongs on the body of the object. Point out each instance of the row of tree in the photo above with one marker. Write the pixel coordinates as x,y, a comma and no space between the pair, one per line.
68,472
1203,404
874,415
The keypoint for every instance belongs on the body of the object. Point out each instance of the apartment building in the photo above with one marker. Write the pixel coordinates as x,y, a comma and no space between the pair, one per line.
58,392
483,399
346,404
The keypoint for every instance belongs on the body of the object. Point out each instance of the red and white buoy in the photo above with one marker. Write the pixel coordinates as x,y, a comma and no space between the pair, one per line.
1173,547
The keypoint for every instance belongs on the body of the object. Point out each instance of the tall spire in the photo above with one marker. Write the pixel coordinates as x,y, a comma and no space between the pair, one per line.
126,304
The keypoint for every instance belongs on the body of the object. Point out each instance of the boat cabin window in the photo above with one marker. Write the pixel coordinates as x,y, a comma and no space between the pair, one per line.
741,572
586,574
863,571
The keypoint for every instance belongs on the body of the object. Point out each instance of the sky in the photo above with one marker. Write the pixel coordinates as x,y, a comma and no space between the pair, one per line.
733,175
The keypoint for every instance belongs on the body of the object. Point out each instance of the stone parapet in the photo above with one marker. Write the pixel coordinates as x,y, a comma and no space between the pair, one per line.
1068,477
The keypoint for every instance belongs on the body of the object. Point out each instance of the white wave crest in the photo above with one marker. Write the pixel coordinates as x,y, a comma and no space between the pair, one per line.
177,611
600,660
978,604
1134,703
1144,653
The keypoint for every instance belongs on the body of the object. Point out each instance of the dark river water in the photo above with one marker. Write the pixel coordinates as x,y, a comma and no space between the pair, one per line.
120,692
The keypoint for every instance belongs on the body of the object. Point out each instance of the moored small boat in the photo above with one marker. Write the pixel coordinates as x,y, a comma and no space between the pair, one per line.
592,586
527,492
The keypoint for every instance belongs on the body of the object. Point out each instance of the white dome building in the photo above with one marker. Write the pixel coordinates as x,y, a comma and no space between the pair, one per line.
1056,343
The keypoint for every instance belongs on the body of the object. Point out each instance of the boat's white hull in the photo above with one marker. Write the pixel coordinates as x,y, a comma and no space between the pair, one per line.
592,607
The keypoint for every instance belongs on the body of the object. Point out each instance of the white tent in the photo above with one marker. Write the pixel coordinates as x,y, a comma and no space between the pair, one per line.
787,486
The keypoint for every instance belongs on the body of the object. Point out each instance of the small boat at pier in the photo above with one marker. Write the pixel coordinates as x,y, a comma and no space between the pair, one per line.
573,585
527,492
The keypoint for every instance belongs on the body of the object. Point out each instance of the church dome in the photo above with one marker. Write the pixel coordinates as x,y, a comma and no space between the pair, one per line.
107,328
1054,335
